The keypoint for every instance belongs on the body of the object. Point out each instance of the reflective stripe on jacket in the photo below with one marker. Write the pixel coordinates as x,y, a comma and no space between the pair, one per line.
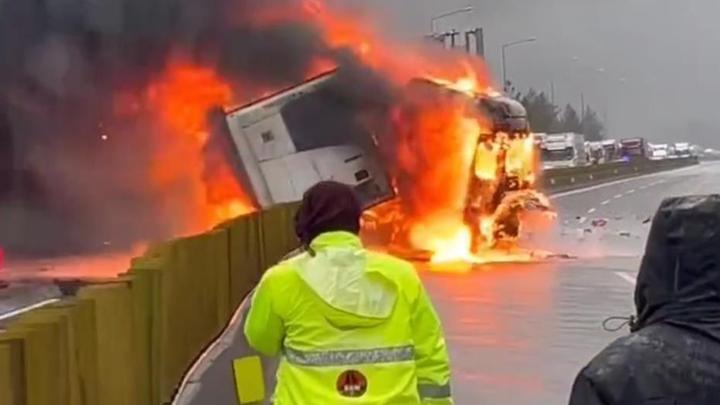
352,326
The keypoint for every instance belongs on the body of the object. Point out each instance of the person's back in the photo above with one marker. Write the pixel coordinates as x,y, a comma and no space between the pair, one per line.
673,354
658,365
353,326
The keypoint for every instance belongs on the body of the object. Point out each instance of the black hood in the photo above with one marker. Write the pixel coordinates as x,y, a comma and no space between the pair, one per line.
326,207
679,279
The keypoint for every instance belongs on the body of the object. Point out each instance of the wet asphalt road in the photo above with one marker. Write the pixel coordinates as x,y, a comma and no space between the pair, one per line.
519,333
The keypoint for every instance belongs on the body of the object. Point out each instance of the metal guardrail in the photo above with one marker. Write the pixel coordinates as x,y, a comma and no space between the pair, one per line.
557,180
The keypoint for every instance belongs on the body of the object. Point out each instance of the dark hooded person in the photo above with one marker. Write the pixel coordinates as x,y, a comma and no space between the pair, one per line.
672,356
351,326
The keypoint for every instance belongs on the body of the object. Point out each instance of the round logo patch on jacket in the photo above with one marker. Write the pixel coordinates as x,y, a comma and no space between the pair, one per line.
352,383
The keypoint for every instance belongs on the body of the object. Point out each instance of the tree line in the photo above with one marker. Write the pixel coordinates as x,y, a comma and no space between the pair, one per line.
546,117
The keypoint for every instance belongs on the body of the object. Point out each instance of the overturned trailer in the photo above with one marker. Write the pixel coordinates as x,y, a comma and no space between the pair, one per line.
286,142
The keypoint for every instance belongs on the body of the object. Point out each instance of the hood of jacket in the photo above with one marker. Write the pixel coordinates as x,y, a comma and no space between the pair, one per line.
679,278
336,269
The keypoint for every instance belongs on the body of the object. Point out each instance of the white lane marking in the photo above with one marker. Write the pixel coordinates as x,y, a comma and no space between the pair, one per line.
630,192
625,276
617,196
606,202
591,210
29,308
643,187
621,181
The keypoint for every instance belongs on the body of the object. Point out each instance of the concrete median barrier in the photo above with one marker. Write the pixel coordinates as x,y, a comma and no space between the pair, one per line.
131,341
11,384
111,331
245,256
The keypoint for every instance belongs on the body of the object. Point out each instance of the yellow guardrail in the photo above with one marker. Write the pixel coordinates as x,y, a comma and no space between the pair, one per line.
130,341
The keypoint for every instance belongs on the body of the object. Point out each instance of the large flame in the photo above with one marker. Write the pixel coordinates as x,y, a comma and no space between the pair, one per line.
446,149
183,98
436,150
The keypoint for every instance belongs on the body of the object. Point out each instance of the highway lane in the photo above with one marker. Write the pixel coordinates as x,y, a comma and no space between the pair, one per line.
518,333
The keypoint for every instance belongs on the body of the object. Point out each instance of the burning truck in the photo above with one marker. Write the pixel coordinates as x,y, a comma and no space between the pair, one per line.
285,142
501,161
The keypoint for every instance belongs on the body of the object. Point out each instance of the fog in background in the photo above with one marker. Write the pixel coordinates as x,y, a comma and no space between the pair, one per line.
651,67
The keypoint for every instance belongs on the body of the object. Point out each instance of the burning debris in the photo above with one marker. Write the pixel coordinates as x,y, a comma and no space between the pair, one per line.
464,170
126,92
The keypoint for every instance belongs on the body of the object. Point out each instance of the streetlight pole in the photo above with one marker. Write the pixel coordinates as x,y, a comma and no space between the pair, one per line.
504,62
448,14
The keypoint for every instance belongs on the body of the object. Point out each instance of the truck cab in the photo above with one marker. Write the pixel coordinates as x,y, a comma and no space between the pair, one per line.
633,149
507,115
658,151
564,150
612,150
596,153
682,150
297,137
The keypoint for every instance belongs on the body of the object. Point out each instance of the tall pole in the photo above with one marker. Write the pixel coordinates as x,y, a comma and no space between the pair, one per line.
480,42
448,14
504,70
504,61
582,105
453,38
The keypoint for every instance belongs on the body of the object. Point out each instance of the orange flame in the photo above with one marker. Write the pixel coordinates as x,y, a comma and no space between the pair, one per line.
437,152
446,147
184,96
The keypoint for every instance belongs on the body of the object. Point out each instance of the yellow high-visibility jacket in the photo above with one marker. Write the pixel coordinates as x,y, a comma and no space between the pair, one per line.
351,326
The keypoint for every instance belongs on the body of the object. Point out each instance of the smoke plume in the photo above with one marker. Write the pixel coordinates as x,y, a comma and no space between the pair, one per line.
72,73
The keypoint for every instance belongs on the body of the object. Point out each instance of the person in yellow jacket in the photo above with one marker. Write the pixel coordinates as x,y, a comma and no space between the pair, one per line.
351,326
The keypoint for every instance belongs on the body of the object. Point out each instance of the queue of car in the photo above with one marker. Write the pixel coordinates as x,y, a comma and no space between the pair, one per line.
564,150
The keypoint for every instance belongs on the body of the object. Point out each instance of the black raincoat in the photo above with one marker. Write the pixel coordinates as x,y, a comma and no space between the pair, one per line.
672,356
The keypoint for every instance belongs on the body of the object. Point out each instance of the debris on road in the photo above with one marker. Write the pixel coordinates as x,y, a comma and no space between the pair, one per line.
625,234
563,256
580,233
599,222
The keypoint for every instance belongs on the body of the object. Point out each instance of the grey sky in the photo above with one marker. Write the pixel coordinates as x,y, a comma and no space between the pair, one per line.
650,65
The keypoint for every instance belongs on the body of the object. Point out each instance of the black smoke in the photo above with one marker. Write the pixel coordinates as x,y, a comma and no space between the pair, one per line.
62,65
